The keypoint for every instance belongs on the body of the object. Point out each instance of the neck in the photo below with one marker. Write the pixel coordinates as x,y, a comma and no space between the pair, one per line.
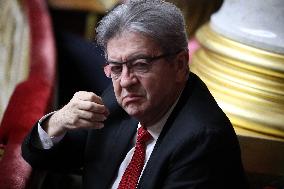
154,118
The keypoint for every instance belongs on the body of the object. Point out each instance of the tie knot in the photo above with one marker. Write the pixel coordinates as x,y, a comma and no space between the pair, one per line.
143,135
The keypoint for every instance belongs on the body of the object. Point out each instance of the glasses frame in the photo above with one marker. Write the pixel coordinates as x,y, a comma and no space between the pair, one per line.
128,63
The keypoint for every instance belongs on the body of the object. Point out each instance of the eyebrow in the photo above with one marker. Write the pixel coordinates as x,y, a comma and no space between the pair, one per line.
135,57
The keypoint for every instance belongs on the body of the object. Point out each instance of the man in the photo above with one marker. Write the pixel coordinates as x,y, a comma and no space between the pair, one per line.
184,139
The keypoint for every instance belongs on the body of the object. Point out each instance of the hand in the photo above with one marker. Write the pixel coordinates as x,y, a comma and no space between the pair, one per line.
85,110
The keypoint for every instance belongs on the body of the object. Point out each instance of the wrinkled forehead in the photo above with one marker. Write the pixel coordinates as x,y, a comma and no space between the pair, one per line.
128,44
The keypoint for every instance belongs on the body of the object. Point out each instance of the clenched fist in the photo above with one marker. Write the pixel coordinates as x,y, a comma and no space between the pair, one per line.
85,110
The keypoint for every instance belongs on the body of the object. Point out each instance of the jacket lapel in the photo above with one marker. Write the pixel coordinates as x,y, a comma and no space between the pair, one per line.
121,144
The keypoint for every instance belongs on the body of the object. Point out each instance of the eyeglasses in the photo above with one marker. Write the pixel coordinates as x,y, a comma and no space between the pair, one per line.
137,66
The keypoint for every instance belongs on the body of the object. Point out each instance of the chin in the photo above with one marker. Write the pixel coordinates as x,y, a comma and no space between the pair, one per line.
134,110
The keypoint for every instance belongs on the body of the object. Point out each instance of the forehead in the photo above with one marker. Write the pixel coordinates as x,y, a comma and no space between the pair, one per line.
130,44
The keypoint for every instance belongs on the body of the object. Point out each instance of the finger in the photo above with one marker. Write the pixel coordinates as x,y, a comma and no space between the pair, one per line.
90,116
85,124
91,106
88,96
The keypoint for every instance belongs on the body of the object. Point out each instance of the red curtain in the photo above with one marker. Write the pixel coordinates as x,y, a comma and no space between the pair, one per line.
31,98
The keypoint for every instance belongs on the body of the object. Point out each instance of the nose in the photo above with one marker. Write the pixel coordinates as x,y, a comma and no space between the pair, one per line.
127,78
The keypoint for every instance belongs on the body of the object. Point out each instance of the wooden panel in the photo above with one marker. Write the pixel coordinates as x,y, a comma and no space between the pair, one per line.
262,155
87,5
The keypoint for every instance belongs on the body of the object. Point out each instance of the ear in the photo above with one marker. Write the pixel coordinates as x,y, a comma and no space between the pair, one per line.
181,66
107,71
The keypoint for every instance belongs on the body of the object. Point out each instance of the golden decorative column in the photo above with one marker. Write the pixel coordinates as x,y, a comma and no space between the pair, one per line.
241,60
247,82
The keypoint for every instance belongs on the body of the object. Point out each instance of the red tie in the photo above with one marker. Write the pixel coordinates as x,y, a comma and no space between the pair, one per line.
131,175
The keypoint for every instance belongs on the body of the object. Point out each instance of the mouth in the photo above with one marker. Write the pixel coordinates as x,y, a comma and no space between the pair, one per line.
131,98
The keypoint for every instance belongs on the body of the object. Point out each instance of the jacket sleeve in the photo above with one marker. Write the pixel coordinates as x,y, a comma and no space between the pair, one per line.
65,156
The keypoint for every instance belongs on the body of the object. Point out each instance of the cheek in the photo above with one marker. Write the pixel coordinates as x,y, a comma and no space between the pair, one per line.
153,90
117,92
161,86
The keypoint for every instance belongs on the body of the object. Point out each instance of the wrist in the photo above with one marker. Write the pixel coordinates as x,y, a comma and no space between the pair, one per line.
52,128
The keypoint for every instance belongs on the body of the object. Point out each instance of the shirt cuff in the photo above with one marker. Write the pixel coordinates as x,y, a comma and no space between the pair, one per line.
47,142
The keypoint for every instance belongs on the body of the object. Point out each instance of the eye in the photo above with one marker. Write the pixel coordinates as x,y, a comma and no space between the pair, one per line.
116,69
140,65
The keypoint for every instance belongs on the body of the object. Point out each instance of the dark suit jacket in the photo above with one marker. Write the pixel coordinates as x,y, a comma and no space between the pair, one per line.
197,147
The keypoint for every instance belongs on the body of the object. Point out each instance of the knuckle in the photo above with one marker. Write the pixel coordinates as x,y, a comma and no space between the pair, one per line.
74,120
89,95
92,117
73,105
79,93
84,95
89,106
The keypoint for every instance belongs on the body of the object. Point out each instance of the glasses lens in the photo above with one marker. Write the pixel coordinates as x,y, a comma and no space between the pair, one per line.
140,66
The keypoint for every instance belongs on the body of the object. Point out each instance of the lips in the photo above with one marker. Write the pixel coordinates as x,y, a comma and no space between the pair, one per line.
131,98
